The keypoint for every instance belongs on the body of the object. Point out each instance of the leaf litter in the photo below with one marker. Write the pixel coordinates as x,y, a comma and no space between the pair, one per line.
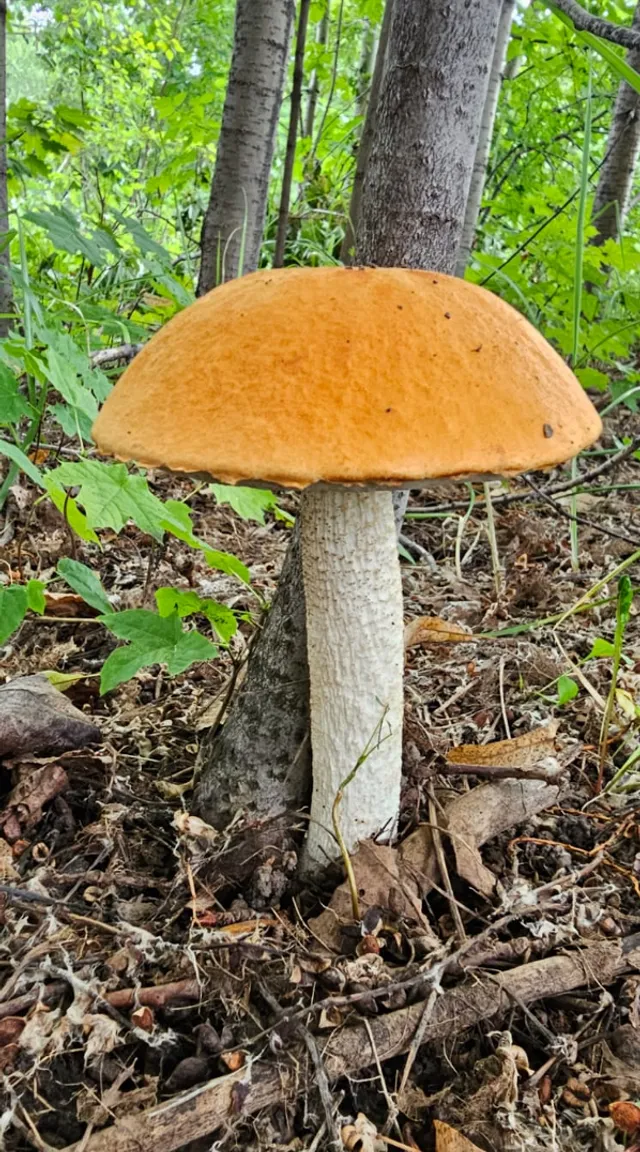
489,995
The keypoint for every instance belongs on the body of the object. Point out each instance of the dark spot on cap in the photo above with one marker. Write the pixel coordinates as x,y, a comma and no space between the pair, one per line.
447,315
434,281
400,306
388,409
478,349
548,431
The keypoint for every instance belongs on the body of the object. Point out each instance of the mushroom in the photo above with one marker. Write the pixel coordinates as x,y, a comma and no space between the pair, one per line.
348,383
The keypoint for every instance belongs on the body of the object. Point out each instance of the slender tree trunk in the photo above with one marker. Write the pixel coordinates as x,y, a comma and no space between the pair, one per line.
294,115
365,66
611,200
6,294
234,221
366,140
486,135
322,36
429,115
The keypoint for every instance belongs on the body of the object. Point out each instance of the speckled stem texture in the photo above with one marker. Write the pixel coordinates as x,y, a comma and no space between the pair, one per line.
354,638
235,216
611,201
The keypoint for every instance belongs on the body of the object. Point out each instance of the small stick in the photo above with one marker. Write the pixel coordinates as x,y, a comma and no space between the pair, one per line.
493,543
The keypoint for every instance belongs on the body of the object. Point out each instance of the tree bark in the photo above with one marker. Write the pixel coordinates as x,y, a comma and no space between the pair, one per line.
430,108
6,293
366,140
486,135
294,115
322,36
234,220
611,200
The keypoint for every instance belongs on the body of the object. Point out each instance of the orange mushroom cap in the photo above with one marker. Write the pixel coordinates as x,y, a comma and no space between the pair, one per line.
382,376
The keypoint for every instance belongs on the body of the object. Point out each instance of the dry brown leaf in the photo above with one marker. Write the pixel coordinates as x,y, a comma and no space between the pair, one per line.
450,1140
67,604
626,1116
433,630
35,788
35,718
485,812
382,882
521,752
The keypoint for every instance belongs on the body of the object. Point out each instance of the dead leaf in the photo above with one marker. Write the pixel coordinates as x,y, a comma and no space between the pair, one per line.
521,752
188,825
233,1060
34,789
362,1136
35,718
485,812
8,872
433,630
67,604
626,1116
10,1029
450,1140
382,882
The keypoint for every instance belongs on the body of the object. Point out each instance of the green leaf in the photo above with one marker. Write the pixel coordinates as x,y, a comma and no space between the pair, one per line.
64,232
111,496
221,618
85,582
616,62
154,639
567,689
147,245
13,609
83,406
22,460
173,600
625,600
63,680
66,504
592,378
13,405
225,562
35,596
249,503
601,648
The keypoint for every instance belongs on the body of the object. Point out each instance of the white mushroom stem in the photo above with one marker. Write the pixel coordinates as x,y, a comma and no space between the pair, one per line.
353,596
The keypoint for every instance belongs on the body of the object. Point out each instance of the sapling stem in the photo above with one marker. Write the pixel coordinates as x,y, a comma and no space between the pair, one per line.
493,543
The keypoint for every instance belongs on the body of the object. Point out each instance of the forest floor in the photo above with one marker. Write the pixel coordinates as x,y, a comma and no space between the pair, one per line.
135,975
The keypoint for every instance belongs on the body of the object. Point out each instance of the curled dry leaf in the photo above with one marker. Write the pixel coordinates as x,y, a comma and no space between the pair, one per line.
8,872
526,751
450,1140
433,630
36,787
362,1136
188,825
626,1116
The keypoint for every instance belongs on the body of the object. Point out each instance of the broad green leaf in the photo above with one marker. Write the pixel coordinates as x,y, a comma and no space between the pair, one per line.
35,596
225,562
145,242
567,689
13,405
617,63
173,600
13,609
85,582
111,496
592,378
20,458
83,407
66,504
64,232
154,639
249,503
625,600
221,619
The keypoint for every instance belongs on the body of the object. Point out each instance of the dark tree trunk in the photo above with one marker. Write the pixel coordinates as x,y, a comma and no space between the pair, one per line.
348,243
430,108
234,220
294,116
611,200
6,293
483,150
322,36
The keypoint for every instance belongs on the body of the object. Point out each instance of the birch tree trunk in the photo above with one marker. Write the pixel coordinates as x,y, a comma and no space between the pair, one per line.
6,293
483,149
234,220
611,200
430,108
